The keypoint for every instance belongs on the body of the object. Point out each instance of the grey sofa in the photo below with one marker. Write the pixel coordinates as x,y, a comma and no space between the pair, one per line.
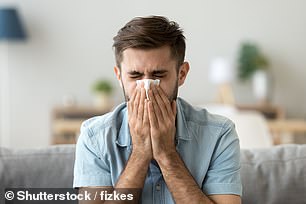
275,175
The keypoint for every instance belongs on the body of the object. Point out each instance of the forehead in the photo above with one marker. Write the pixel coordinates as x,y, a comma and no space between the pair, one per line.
147,59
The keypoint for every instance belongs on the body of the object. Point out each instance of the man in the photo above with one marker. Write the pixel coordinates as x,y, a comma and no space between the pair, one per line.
173,152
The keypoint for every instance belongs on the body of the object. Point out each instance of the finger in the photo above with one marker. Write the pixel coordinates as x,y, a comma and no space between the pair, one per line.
152,117
131,101
129,106
141,104
132,98
166,101
145,114
156,109
136,103
160,103
150,88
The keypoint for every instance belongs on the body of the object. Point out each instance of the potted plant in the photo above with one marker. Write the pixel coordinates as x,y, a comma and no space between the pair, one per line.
252,64
103,90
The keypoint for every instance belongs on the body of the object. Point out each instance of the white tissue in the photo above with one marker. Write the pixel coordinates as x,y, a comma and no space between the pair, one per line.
147,83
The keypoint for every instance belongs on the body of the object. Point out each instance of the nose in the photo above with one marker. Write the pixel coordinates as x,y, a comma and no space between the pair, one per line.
146,77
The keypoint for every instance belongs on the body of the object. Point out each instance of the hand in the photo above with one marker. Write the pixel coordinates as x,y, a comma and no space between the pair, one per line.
139,124
162,114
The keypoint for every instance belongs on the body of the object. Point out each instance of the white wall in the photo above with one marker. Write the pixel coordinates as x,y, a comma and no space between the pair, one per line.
70,41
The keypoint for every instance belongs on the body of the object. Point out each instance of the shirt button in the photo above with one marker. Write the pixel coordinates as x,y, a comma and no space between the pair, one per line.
158,187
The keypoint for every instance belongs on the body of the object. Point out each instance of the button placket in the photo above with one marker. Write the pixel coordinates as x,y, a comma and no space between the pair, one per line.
158,186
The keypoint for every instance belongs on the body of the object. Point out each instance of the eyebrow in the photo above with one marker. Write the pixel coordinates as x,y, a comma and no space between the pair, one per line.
134,73
159,71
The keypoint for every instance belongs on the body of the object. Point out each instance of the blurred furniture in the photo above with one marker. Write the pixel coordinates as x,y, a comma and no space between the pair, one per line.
273,175
290,126
260,125
268,110
251,126
221,73
66,122
272,114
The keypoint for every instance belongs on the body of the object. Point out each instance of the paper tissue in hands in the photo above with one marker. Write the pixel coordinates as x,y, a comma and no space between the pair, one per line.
147,83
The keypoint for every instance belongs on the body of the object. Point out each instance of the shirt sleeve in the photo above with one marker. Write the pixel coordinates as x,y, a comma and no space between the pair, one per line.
223,175
90,167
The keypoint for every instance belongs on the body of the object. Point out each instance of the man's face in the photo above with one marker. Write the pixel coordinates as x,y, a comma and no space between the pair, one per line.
156,63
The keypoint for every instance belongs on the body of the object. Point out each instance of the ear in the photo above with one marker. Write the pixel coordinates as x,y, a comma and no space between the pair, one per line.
183,71
118,75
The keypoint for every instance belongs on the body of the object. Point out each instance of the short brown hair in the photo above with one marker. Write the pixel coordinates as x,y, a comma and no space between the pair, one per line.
148,33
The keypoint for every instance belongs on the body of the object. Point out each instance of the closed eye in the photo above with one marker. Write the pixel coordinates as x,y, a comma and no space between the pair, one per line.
134,74
160,74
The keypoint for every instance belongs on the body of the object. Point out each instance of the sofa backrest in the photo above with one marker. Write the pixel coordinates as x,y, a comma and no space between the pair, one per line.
274,175
50,167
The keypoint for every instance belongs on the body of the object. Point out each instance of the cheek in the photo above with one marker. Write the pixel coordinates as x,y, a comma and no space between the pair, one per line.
129,87
167,88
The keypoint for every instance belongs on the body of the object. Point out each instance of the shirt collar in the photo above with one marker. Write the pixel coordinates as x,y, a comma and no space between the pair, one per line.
124,136
182,131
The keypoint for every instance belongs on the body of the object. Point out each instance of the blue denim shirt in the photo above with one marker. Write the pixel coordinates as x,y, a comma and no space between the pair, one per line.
208,145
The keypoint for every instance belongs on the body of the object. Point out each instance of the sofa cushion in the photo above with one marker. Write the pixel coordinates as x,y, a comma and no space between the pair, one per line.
50,167
274,175
271,175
